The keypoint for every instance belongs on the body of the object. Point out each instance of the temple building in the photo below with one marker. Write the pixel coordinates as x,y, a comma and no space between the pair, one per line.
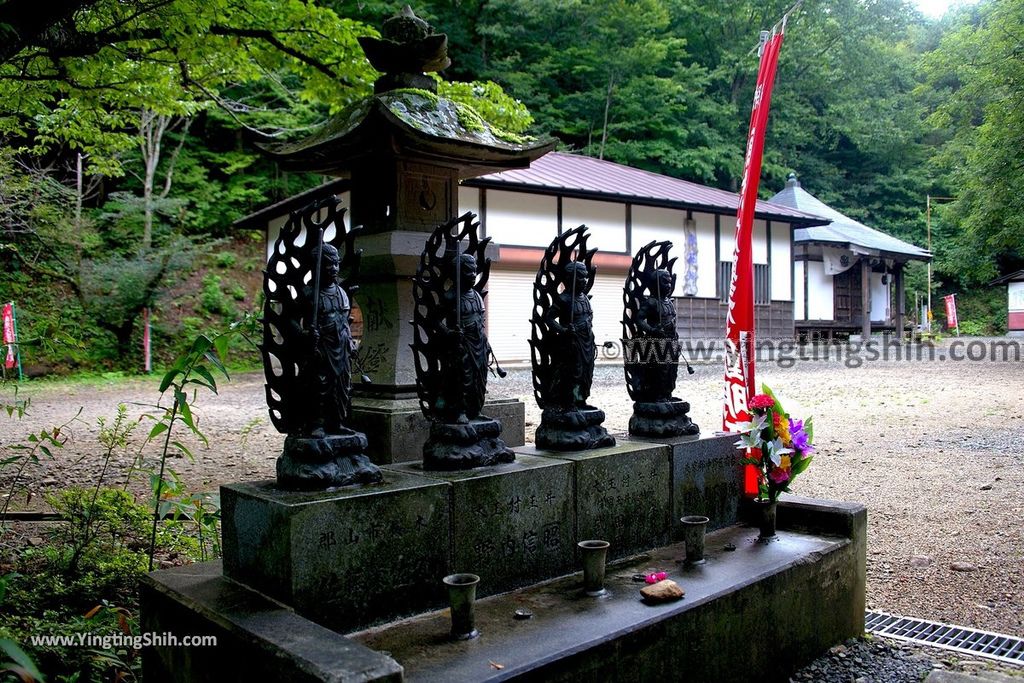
625,208
849,277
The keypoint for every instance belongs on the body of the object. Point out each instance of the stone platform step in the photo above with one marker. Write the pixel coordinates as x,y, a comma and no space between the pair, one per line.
757,612
771,605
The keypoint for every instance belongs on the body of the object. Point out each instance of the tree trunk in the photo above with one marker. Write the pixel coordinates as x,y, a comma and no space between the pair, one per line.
607,109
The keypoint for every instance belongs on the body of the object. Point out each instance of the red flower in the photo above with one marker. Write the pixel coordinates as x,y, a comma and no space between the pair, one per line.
762,401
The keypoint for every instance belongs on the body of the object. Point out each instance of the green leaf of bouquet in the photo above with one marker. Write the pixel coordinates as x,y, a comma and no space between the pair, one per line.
765,389
802,464
809,429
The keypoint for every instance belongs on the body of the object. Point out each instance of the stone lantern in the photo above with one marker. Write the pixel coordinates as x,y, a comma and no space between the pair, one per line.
405,150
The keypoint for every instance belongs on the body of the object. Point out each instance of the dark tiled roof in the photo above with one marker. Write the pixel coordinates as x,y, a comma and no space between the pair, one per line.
843,229
574,174
1012,277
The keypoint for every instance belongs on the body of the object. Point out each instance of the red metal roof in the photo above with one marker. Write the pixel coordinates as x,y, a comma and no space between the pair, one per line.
575,174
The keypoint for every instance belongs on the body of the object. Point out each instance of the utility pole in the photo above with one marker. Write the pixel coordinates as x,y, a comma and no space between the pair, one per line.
928,223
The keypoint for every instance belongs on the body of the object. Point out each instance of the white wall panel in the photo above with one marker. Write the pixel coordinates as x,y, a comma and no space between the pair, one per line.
469,200
782,259
606,220
509,307
519,218
798,302
759,241
706,255
652,223
607,304
820,297
879,299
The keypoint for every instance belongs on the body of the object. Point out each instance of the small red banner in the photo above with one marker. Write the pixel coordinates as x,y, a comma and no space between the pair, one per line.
9,337
951,321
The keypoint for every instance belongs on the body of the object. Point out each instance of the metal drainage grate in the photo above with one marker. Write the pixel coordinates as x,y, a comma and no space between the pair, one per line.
997,646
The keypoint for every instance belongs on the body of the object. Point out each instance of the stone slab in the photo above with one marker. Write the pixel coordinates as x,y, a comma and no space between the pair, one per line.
344,558
397,429
707,479
710,635
257,639
512,524
622,494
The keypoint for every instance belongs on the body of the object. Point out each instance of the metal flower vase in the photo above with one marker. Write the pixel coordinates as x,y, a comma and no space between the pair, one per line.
461,599
694,528
594,554
765,518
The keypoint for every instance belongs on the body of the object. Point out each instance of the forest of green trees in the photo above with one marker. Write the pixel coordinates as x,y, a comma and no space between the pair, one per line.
129,131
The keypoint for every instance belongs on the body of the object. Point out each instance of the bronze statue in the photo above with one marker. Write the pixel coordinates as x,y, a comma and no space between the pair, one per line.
651,346
563,348
308,349
451,349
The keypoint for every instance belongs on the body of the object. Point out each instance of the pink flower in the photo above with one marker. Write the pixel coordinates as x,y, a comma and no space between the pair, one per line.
779,475
762,401
655,577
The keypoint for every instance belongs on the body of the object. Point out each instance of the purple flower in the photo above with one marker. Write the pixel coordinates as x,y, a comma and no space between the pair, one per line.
801,442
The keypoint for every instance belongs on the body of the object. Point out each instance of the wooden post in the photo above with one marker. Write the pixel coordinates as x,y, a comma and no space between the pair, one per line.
901,297
865,299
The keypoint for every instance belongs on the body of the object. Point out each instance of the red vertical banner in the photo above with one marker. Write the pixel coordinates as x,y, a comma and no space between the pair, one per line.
739,324
10,338
951,320
147,358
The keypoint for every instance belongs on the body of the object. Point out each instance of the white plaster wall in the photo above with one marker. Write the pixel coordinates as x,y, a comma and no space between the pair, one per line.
706,255
273,232
820,297
469,200
275,224
759,242
1015,294
879,299
606,220
518,218
782,259
798,301
652,223
727,240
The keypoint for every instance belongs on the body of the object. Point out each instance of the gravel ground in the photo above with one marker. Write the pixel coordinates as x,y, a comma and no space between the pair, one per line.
933,448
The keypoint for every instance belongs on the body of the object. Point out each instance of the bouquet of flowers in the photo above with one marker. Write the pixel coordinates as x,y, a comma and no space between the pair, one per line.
778,445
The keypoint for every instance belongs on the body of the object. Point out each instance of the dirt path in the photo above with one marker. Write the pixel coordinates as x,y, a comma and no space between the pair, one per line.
936,451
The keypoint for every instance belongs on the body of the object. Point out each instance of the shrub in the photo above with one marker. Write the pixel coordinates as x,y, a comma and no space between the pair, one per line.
225,259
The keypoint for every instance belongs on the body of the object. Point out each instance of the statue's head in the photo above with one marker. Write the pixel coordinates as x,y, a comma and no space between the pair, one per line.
330,262
576,276
467,270
466,266
662,282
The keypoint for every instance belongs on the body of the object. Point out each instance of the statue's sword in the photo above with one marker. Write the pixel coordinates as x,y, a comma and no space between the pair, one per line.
317,267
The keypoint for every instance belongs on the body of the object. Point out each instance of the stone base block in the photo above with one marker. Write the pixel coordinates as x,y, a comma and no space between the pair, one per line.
256,638
344,558
622,495
397,430
512,524
707,479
